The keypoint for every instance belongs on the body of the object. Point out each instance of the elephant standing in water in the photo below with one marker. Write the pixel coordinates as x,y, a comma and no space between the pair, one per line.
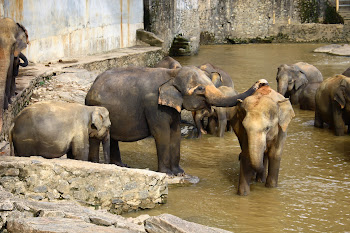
147,102
52,129
13,39
299,82
260,124
218,116
333,104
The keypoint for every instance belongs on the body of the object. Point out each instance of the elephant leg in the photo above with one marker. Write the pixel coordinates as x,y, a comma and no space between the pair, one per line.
163,150
80,148
222,121
338,121
115,154
212,123
274,156
198,119
245,175
261,176
94,149
318,120
175,139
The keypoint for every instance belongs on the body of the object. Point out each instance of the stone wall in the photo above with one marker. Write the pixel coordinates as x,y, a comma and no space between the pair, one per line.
168,19
104,186
65,28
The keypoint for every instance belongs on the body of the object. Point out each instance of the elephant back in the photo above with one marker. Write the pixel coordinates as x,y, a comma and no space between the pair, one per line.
311,72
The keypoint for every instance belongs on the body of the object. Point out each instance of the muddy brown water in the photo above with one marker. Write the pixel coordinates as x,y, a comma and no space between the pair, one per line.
313,194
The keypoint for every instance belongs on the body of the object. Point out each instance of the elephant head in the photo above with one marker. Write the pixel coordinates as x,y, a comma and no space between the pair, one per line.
265,117
99,129
342,93
13,39
191,89
290,79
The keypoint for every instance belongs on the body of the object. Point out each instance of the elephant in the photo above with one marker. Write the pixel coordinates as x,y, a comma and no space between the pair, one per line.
51,129
148,101
293,80
221,118
169,63
13,39
260,123
220,78
333,104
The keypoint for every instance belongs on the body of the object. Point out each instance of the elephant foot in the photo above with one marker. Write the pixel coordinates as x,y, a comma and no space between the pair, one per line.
339,131
203,131
243,191
178,171
120,164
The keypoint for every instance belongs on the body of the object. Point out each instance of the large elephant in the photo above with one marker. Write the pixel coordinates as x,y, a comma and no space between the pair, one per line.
13,39
333,104
148,101
260,124
52,129
293,80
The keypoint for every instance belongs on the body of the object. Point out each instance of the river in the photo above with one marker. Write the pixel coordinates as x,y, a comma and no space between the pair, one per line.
313,193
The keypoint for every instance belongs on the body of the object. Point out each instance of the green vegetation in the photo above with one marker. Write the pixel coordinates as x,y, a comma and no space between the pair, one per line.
308,11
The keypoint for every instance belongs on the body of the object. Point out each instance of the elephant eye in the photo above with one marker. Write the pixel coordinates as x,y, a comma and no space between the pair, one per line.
267,128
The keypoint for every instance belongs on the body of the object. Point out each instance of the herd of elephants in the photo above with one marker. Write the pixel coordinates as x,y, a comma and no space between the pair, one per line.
130,104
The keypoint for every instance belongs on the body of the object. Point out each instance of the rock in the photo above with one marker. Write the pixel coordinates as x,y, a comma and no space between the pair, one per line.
186,179
149,38
52,225
335,49
169,223
6,205
327,48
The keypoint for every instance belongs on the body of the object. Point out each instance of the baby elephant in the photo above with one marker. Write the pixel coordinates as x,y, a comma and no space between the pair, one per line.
52,129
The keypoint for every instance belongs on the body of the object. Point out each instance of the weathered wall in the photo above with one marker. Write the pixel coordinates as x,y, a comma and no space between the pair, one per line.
66,28
222,19
168,19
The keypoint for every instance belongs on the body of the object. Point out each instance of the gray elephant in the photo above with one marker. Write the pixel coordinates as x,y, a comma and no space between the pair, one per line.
52,129
293,81
13,39
220,119
147,102
333,104
215,125
169,63
260,124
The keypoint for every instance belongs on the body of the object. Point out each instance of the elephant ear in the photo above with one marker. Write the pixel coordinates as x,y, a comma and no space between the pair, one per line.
170,96
339,94
285,113
300,80
216,79
96,120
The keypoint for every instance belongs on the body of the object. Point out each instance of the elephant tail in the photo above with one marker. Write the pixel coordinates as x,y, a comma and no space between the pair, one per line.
12,149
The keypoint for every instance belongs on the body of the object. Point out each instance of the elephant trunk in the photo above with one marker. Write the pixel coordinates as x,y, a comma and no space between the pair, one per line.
24,59
4,67
215,97
282,86
106,148
257,146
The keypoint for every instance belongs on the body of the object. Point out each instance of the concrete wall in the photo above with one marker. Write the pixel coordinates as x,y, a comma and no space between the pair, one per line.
67,28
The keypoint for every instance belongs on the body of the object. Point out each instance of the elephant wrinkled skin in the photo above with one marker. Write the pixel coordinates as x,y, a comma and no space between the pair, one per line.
147,102
299,83
13,39
333,104
260,124
52,129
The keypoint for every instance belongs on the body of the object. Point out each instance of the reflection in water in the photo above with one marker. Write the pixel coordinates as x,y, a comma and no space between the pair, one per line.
314,182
